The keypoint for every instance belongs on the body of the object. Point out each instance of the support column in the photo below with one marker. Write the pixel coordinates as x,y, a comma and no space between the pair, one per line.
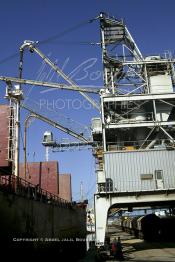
102,205
103,125
17,138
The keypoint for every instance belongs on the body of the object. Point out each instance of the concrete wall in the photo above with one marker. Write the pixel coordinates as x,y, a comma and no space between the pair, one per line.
65,188
136,170
22,217
44,174
5,165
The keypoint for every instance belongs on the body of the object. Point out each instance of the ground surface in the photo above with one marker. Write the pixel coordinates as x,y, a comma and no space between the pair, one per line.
135,249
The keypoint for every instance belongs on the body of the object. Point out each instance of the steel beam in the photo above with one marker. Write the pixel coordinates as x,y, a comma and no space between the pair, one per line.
138,97
55,124
49,84
140,124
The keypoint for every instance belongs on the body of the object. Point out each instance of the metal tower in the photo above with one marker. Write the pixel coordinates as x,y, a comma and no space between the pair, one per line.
136,129
134,140
14,95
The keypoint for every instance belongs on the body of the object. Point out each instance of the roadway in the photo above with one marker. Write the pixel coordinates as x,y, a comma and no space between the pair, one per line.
136,250
139,250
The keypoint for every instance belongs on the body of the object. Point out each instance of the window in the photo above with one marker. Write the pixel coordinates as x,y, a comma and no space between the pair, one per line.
158,174
159,179
146,176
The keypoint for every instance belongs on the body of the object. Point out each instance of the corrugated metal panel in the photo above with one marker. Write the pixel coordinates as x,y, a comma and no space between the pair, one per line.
161,84
125,169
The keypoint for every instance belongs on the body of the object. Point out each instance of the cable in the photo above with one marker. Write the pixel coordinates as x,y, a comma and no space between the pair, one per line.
45,41
57,116
91,198
26,153
8,58
91,188
75,43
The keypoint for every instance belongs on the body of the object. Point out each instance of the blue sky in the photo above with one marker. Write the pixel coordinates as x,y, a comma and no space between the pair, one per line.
151,23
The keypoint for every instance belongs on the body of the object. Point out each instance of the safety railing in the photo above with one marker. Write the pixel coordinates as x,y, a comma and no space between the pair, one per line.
141,144
138,117
19,186
114,185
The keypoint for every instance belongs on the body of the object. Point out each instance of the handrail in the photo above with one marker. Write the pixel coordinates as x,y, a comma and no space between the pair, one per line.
24,188
140,145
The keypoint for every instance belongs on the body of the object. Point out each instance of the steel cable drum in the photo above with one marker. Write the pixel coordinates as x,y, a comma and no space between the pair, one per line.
150,225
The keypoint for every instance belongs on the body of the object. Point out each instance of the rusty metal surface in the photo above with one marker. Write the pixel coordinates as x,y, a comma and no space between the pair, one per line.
65,191
44,174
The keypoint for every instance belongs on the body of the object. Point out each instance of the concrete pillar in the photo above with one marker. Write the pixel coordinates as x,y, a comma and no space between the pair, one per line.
102,205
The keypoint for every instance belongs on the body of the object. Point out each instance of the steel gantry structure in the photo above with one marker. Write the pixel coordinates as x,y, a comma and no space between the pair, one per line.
133,140
136,128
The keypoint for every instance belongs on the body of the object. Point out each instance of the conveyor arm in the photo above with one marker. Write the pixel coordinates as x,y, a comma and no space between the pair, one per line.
32,48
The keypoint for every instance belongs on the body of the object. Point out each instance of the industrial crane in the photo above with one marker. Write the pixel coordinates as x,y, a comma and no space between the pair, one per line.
108,27
15,95
32,47
135,129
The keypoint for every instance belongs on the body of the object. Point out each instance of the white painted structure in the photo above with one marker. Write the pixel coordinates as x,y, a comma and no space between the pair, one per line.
136,158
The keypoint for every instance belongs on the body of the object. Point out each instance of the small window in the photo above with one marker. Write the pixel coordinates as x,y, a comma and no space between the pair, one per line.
146,176
158,174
